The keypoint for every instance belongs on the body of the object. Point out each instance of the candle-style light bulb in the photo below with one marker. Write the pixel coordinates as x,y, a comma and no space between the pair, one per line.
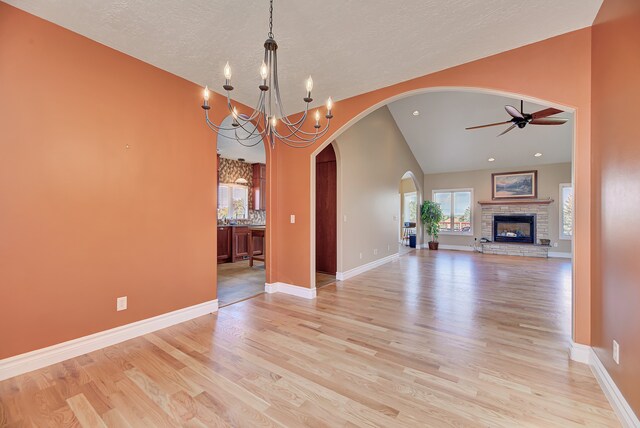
227,71
309,84
274,122
264,71
329,107
235,112
317,115
206,93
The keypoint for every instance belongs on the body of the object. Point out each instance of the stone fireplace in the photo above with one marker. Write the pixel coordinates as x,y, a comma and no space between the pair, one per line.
515,227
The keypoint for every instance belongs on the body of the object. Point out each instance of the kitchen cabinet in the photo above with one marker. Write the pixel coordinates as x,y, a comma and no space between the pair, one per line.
259,190
240,243
224,244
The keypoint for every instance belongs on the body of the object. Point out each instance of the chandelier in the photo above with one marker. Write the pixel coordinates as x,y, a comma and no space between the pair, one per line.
268,119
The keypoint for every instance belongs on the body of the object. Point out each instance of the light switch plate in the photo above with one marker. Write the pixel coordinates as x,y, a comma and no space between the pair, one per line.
121,303
293,218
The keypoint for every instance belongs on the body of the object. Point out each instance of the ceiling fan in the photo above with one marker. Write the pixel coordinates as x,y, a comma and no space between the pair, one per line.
522,119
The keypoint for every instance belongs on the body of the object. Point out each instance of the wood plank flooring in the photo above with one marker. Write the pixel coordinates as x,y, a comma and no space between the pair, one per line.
434,339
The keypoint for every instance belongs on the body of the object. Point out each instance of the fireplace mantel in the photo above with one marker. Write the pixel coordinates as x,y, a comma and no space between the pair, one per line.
517,202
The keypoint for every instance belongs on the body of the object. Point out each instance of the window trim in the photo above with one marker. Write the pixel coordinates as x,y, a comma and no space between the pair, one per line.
232,186
561,235
471,202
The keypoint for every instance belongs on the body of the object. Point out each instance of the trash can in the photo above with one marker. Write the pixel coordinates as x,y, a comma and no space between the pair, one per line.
412,241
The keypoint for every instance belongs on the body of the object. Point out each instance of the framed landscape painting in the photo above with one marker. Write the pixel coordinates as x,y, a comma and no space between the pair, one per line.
515,185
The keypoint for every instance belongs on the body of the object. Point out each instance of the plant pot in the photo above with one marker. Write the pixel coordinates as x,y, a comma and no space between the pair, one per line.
433,245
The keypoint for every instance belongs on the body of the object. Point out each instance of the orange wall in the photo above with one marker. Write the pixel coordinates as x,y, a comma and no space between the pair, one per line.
616,185
83,219
556,70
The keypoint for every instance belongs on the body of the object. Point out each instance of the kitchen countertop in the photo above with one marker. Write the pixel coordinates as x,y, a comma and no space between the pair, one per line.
255,226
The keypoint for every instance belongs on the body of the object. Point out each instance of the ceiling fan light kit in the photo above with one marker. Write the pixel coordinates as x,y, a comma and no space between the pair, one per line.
269,111
521,119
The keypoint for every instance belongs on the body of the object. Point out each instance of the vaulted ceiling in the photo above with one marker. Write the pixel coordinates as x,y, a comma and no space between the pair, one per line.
440,143
348,46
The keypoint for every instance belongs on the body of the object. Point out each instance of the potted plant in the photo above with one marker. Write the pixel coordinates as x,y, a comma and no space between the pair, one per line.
431,215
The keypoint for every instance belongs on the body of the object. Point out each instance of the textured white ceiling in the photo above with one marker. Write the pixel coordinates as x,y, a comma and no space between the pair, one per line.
440,142
348,46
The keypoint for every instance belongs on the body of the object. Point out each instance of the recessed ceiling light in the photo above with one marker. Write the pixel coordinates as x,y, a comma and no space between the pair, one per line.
416,113
491,159
538,154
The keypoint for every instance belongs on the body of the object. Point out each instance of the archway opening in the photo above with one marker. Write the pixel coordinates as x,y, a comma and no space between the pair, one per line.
408,218
568,274
326,216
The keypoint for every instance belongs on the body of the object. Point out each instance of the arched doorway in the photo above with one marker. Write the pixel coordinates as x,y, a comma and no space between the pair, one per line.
516,96
409,212
326,216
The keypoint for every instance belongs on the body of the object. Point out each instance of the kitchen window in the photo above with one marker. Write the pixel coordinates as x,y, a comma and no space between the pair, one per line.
457,210
233,201
566,211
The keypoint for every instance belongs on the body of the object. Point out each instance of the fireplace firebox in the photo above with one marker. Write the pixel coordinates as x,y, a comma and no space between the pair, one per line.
514,228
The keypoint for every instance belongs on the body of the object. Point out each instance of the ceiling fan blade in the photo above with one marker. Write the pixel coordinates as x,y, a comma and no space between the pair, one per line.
491,124
513,112
507,130
546,112
548,121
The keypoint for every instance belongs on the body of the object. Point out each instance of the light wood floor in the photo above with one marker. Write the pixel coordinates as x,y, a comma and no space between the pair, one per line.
434,339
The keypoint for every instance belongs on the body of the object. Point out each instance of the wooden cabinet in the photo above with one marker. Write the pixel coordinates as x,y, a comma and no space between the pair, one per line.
240,245
259,190
224,244
234,243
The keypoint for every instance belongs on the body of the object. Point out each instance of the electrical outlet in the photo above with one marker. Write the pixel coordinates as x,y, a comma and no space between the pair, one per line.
616,352
388,247
360,256
345,218
555,244
121,303
375,251
293,218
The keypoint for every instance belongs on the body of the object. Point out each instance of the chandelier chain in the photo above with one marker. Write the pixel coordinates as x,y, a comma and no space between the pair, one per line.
270,19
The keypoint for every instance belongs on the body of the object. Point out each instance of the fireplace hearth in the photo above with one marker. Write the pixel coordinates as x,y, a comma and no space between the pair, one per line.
514,229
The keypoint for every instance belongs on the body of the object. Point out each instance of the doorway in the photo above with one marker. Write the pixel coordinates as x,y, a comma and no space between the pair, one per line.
241,217
326,216
408,218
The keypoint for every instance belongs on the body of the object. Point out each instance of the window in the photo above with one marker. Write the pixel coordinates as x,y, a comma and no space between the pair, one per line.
566,211
410,207
456,209
233,201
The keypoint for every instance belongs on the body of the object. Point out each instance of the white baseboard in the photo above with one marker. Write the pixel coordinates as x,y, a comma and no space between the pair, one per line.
622,408
294,290
580,353
559,255
39,358
586,354
341,276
